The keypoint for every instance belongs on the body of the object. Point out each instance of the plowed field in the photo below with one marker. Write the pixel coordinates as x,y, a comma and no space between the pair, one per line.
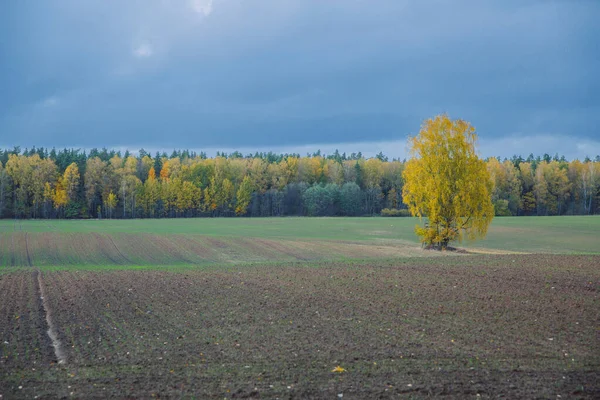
518,326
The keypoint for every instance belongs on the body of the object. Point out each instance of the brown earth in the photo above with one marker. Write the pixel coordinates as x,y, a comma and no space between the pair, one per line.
513,326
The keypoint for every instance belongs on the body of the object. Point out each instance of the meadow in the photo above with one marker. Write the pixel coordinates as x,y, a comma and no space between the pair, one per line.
170,242
297,308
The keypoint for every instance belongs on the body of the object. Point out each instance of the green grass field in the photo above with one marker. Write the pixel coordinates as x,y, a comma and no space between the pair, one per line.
222,240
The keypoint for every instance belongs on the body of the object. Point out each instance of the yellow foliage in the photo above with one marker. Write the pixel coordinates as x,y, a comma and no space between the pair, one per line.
151,174
110,203
338,369
60,197
71,181
165,170
243,196
373,172
446,182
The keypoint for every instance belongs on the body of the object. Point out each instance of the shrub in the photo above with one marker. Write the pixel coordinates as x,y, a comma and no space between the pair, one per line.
501,208
394,212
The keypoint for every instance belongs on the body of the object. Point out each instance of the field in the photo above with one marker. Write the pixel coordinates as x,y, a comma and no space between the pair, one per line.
268,308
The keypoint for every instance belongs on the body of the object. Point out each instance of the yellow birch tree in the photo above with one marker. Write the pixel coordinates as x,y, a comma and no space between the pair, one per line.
447,183
243,196
71,181
110,203
60,197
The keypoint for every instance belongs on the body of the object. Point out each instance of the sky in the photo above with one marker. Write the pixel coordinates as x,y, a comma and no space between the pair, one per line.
299,75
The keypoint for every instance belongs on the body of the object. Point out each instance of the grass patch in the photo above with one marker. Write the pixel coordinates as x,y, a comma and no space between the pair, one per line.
242,240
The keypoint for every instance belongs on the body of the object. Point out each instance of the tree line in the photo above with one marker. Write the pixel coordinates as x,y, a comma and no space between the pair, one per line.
42,183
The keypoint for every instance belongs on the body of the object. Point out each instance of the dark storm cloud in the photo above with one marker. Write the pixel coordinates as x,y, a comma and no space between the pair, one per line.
234,73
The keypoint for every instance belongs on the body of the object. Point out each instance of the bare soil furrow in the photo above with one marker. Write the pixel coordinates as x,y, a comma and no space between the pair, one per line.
52,329
43,313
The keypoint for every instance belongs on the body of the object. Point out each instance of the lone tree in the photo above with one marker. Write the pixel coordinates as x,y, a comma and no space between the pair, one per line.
447,183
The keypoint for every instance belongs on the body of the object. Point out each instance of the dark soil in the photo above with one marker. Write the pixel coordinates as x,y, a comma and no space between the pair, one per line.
458,327
436,247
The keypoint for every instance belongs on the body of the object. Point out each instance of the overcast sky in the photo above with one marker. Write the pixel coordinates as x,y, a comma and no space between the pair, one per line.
298,75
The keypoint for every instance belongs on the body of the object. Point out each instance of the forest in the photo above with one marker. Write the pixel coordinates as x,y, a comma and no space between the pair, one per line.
70,183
